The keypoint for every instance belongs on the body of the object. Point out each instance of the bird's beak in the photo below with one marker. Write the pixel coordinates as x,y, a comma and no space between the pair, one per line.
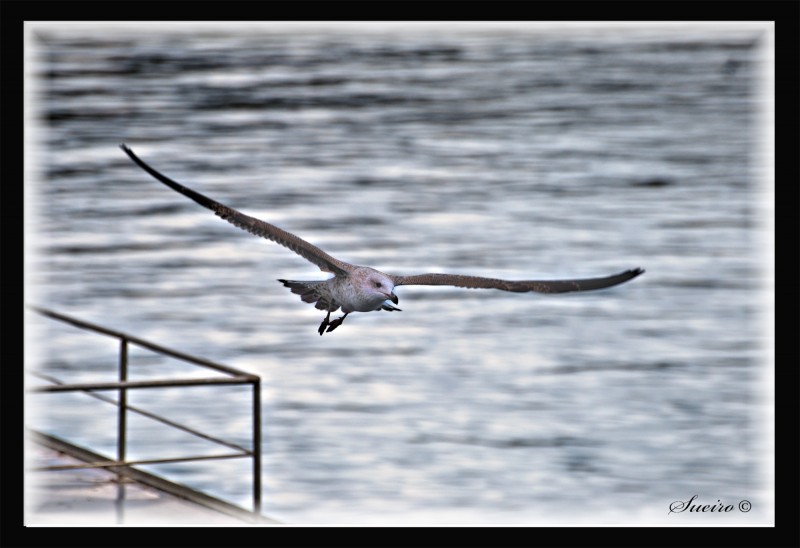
394,298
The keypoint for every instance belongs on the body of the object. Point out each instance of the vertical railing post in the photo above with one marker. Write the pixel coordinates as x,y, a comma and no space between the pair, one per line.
122,427
257,446
122,413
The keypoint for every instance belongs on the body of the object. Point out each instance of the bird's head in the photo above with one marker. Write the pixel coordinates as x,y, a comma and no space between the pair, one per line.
385,287
377,285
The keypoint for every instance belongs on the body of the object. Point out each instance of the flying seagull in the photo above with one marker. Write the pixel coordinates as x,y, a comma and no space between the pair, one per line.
356,288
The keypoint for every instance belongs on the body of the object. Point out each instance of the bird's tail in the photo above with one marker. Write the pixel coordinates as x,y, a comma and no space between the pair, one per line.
309,294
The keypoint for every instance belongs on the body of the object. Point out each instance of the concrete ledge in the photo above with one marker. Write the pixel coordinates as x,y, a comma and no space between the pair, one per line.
95,496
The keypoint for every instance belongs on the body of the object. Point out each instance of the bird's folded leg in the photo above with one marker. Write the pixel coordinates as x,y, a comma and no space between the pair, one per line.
336,323
325,323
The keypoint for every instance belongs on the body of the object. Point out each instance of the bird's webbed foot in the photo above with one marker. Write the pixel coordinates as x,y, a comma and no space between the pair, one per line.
335,323
325,323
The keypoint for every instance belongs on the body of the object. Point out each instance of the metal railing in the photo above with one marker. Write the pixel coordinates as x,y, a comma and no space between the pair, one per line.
234,377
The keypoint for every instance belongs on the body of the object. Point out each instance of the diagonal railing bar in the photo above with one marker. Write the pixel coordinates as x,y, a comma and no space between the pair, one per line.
112,464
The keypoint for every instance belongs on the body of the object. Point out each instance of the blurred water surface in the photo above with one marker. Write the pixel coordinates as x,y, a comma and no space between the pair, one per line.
513,152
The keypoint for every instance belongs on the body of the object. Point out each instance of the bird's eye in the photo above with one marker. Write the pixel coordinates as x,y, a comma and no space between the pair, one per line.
377,284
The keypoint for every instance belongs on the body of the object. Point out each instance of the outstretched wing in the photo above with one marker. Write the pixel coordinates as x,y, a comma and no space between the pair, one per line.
252,225
539,286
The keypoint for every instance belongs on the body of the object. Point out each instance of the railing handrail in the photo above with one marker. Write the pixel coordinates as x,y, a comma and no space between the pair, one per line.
157,383
143,343
235,376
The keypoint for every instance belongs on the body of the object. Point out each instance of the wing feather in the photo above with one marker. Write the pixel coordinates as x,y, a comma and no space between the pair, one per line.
252,225
522,286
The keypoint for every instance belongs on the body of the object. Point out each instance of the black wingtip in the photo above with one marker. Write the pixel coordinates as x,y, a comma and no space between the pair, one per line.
127,150
634,272
196,196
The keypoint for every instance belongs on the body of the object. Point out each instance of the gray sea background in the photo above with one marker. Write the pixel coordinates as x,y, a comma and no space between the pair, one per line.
520,151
